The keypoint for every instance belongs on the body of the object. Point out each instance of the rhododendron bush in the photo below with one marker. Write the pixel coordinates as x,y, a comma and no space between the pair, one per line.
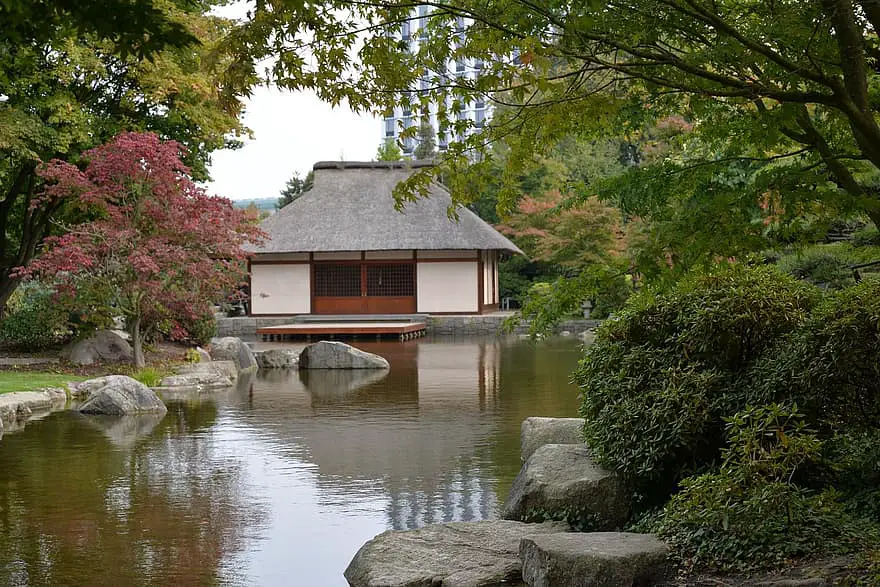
161,251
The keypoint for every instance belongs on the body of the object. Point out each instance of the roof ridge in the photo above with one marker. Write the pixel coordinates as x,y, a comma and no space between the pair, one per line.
405,164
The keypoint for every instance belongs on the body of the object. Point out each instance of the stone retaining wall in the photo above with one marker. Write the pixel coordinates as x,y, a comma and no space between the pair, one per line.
484,325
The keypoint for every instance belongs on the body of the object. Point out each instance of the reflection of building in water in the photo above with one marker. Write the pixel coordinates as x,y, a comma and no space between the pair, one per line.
421,434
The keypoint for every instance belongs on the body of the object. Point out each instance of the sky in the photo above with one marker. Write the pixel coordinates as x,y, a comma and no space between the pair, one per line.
292,130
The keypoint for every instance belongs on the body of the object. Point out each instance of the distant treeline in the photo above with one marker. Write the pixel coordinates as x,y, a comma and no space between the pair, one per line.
260,203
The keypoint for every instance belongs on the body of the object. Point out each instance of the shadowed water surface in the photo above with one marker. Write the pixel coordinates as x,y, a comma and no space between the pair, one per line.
281,480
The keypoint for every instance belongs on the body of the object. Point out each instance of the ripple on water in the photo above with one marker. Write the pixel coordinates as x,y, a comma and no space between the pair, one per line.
281,483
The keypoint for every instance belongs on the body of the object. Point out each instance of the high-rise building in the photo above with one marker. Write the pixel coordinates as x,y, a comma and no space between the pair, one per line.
479,110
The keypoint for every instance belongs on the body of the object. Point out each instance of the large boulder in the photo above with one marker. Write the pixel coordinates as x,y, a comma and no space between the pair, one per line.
594,559
105,346
213,375
563,480
338,355
118,395
536,432
460,554
277,359
231,348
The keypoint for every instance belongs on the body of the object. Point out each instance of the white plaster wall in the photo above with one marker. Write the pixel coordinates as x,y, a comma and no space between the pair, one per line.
447,287
495,260
280,289
488,276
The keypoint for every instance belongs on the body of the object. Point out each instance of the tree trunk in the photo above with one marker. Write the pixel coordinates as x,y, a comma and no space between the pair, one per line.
7,287
874,215
137,343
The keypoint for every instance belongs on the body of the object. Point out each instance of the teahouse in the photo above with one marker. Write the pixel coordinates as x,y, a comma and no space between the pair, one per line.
342,248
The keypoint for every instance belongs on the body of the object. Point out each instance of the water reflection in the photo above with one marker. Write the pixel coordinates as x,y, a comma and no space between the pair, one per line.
84,501
280,481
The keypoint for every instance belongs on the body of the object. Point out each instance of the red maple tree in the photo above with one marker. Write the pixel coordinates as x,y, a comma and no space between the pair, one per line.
160,249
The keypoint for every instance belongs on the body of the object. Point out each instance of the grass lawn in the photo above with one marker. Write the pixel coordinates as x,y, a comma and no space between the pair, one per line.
31,380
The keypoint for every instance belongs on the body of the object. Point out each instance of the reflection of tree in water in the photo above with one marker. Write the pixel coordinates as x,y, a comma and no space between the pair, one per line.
76,510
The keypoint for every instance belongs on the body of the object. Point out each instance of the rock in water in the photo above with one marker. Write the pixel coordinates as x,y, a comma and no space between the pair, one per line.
338,355
230,348
211,375
536,432
103,346
277,359
117,395
472,554
595,559
564,479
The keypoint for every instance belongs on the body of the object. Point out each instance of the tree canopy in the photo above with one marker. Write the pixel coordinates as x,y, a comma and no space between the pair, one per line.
68,88
160,250
781,96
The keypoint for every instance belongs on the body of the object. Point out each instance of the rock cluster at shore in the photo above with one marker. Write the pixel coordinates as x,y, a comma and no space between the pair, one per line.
563,479
536,432
559,478
459,553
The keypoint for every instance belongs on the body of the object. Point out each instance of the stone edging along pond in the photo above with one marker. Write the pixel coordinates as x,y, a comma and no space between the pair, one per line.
123,395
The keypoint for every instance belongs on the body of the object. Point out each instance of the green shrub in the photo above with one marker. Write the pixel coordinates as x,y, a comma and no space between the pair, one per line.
830,364
202,330
34,321
149,376
856,470
818,266
661,377
866,236
750,513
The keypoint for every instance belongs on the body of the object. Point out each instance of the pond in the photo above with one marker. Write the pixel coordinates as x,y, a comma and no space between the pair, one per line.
281,480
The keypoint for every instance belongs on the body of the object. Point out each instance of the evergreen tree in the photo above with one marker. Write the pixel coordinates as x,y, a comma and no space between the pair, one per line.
427,143
294,188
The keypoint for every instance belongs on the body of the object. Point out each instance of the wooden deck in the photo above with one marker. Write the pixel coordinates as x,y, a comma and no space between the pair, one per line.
400,330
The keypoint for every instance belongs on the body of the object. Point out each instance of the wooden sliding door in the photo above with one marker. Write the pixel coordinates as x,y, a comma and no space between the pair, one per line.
364,287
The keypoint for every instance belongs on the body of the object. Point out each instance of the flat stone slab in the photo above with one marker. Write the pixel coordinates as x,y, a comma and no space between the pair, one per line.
563,479
458,554
593,559
209,375
536,432
338,355
18,407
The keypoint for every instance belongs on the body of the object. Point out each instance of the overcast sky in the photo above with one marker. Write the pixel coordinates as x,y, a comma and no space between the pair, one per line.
292,130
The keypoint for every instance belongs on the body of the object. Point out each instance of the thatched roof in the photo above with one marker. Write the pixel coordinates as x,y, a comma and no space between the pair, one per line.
351,208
